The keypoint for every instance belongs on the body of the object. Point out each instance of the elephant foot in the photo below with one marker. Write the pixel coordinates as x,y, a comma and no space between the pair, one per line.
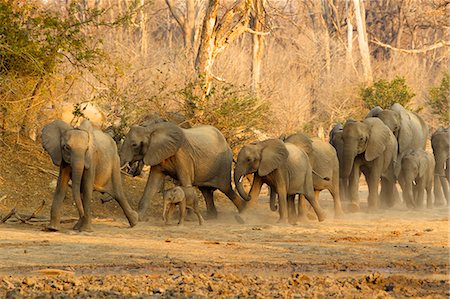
302,218
311,216
237,217
211,215
52,228
321,216
78,225
354,208
282,221
339,214
86,228
439,203
142,217
133,219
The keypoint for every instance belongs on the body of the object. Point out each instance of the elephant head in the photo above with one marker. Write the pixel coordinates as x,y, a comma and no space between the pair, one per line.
366,137
71,146
152,144
172,197
261,158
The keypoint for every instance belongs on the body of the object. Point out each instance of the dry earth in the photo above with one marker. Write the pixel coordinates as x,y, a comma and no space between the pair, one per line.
396,253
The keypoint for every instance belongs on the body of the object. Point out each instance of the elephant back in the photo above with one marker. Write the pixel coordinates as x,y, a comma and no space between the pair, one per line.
302,141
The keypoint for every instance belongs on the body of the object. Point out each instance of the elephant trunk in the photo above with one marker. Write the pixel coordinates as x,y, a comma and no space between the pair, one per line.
439,168
77,164
238,176
273,200
408,195
349,158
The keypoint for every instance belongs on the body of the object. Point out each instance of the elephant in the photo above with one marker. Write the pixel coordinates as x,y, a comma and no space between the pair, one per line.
89,158
199,156
284,167
369,147
416,176
336,140
408,127
440,145
325,166
185,198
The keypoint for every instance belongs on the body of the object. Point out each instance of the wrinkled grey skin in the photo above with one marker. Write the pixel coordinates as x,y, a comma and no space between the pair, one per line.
325,166
337,142
416,176
409,129
183,197
371,148
440,145
284,167
199,156
89,158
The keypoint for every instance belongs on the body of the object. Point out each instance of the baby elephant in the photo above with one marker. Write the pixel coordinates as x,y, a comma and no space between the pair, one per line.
185,198
416,176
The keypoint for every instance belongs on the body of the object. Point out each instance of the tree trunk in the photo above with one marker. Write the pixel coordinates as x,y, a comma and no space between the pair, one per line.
143,29
363,44
257,21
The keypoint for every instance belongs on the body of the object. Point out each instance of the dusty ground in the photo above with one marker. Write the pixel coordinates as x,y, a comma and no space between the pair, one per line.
396,253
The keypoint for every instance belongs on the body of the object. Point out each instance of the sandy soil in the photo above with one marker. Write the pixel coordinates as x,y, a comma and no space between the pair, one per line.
395,253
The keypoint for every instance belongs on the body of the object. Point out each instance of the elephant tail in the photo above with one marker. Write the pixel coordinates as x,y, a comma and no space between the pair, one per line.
321,177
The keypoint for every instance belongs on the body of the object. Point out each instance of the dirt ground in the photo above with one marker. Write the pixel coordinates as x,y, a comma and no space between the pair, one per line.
396,253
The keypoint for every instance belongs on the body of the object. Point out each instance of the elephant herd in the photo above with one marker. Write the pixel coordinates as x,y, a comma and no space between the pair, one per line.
388,146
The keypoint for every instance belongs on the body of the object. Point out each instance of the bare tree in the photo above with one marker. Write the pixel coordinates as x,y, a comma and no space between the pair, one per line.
257,23
362,41
189,21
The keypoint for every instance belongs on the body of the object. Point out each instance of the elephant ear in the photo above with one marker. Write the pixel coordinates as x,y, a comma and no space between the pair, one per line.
86,126
51,139
274,153
404,135
178,195
162,142
378,137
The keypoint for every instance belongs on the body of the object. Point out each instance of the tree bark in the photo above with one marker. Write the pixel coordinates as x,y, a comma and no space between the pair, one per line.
362,41
257,22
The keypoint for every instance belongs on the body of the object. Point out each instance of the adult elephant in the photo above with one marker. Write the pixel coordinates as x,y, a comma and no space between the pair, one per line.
409,129
89,158
325,166
199,156
284,167
440,145
370,147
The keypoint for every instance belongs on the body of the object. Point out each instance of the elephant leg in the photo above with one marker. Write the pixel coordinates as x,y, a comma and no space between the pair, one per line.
119,195
373,199
353,182
419,194
336,200
197,212
207,193
302,208
182,215
237,201
387,193
283,208
58,197
311,197
154,184
255,190
430,195
88,188
292,214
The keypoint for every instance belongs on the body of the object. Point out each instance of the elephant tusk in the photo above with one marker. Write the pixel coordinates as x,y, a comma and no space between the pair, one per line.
240,179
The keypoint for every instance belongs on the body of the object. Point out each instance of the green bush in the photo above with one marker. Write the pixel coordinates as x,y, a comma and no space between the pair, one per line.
384,93
235,111
438,99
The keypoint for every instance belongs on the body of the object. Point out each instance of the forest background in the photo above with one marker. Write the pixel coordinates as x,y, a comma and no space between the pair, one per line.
249,67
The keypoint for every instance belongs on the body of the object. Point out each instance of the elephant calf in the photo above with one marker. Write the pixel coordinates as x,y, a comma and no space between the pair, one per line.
185,198
89,158
416,176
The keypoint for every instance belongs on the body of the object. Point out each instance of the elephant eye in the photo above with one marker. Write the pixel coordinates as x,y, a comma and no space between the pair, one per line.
66,147
134,145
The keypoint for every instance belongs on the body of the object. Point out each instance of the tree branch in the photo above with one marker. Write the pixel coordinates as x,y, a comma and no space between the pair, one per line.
435,46
176,14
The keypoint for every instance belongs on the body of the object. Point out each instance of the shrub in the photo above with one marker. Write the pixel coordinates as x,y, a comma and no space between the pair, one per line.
438,99
235,111
384,93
